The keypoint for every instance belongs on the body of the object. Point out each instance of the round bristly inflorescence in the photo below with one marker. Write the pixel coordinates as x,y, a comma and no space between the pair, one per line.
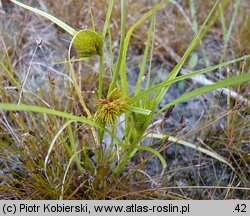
111,108
88,43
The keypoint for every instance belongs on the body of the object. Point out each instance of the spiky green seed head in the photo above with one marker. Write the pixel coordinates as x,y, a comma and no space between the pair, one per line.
88,43
112,108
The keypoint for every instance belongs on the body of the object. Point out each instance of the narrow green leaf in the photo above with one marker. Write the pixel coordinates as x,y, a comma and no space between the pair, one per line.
37,109
139,22
206,25
107,20
190,145
145,56
123,32
156,153
51,148
208,88
139,110
55,20
67,169
186,76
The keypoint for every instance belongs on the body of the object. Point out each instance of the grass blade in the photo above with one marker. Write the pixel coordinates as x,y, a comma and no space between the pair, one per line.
123,32
67,169
193,146
107,20
55,20
139,110
51,148
186,76
122,68
197,38
156,153
208,88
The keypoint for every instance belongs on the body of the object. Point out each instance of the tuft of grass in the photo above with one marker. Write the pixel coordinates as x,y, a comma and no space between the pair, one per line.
96,147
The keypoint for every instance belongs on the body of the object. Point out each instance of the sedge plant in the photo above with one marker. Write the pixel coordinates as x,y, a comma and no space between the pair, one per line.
103,158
